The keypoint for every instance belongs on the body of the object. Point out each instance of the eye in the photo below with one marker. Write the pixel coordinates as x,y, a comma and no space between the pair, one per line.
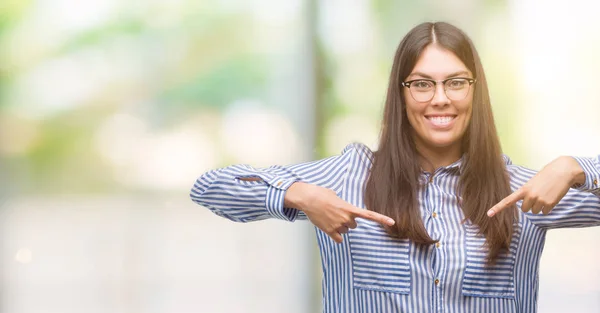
422,84
457,83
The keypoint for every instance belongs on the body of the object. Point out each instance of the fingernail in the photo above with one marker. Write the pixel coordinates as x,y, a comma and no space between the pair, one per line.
391,222
491,213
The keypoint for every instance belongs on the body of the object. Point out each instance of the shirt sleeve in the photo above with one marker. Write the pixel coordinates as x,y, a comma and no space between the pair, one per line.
224,193
580,207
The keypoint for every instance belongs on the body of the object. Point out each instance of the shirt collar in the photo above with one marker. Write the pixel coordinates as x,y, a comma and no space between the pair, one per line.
451,168
456,168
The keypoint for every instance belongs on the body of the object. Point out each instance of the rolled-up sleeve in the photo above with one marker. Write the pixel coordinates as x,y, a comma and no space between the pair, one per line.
243,193
580,207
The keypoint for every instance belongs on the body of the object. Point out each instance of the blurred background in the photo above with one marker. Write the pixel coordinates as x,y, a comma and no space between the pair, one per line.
109,111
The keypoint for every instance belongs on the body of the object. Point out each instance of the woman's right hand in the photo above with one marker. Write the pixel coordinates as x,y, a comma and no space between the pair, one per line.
327,211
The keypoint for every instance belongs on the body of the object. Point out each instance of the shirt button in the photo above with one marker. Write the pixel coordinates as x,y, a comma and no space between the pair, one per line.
279,184
437,281
434,215
437,244
595,182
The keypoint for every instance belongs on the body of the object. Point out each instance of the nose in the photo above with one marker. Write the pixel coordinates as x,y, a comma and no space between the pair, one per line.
439,97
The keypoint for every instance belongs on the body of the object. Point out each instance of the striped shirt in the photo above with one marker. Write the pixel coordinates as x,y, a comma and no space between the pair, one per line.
373,272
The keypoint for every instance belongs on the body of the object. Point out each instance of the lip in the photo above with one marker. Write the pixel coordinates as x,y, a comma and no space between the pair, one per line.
438,126
440,115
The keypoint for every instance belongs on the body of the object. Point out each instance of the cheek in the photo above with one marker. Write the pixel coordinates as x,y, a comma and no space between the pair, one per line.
468,115
467,110
413,108
413,112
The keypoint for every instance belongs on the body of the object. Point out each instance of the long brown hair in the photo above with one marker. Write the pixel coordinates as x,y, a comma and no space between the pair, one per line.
393,183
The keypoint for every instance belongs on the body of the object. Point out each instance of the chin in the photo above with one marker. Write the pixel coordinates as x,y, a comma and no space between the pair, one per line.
443,143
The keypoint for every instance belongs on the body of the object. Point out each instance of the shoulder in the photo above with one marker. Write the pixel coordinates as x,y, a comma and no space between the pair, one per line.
357,147
360,153
507,160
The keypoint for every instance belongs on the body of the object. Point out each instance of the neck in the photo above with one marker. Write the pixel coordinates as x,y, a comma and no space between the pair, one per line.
432,158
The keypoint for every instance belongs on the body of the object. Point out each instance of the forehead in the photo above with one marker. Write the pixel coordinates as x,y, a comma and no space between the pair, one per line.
438,63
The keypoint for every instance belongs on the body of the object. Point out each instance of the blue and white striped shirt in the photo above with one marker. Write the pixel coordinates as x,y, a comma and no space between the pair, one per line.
372,272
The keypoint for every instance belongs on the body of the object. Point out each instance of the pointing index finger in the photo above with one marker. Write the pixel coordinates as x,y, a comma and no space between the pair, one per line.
373,216
506,202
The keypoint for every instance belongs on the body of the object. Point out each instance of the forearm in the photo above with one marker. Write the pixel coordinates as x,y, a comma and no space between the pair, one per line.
294,196
242,194
577,172
579,207
590,181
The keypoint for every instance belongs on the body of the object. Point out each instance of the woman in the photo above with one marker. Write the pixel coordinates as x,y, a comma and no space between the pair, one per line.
430,222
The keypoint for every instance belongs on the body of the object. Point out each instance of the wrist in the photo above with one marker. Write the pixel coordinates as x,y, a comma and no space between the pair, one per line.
293,197
576,171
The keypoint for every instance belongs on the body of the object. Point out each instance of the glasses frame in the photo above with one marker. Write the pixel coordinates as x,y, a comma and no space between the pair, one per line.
407,84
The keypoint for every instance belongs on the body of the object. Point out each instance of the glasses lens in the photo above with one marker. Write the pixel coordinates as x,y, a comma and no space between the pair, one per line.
457,88
422,90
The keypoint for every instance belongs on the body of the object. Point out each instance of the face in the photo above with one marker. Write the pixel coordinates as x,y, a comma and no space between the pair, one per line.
441,122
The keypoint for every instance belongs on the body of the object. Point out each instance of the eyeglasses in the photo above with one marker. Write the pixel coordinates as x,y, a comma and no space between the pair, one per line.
423,90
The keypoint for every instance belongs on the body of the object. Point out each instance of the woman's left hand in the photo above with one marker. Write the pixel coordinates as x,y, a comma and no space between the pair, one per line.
546,188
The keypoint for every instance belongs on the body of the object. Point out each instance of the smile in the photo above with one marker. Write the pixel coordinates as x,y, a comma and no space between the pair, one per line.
441,121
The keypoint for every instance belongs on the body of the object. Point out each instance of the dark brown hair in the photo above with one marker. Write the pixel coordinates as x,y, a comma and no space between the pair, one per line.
393,183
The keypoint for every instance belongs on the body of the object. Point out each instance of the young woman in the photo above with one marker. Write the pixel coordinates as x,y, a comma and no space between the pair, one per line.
435,220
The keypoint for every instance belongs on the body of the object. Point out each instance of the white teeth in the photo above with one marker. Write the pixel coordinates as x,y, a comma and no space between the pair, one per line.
441,120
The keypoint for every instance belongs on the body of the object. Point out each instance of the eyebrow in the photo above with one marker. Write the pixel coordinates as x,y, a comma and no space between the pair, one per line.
459,73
